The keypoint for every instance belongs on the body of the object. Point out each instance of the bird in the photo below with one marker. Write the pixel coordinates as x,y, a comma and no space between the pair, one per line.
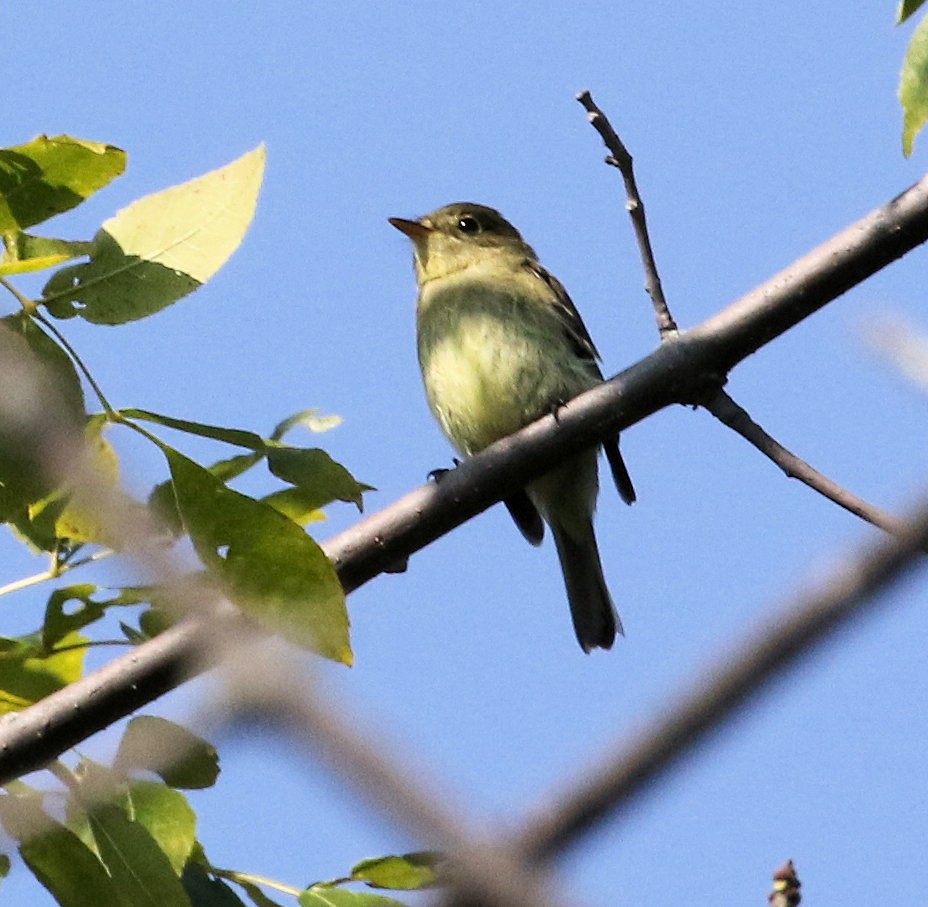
501,344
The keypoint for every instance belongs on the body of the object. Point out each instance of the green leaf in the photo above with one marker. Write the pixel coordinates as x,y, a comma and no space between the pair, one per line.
73,607
296,504
26,253
906,9
79,520
49,175
161,247
315,473
207,891
407,872
163,504
58,624
28,673
154,621
62,863
140,870
48,370
5,865
168,817
179,756
255,894
233,467
328,896
235,436
913,87
272,569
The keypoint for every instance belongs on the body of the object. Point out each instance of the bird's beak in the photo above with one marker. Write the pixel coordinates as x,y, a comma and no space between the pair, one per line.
412,228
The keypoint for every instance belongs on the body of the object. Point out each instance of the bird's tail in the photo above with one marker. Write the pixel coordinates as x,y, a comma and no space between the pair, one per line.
596,621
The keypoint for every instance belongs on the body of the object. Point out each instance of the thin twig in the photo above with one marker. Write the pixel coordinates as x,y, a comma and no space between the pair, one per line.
712,397
724,689
731,414
620,158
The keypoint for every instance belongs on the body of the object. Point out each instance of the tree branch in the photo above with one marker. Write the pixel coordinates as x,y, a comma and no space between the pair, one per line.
678,371
714,399
731,414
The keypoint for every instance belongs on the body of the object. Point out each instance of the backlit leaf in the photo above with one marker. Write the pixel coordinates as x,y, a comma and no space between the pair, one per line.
913,87
161,247
46,176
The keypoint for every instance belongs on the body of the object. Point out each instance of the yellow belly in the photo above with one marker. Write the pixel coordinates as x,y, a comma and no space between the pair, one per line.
492,362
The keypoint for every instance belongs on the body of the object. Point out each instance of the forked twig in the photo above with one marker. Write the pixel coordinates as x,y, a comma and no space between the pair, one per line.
716,400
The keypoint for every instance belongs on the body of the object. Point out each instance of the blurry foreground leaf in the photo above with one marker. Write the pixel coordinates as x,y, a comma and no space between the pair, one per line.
177,755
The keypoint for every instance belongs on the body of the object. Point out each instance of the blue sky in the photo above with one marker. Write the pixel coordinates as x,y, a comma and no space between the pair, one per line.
758,131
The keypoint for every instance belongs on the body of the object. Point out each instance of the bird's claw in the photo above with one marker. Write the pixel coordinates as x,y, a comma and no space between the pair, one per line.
436,475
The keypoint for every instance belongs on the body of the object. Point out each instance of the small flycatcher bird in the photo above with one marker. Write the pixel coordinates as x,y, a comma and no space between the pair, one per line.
501,345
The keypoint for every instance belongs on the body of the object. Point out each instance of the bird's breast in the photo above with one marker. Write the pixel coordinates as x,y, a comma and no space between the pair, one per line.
493,359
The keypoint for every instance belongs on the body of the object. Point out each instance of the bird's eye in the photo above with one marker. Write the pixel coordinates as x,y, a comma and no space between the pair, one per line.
468,224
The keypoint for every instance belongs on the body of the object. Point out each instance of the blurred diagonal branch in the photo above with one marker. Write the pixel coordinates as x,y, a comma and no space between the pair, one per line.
854,587
479,861
677,372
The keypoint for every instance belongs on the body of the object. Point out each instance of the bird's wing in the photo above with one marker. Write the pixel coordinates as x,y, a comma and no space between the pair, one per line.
583,346
570,318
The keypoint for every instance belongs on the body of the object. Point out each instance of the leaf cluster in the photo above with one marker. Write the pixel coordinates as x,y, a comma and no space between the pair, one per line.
255,550
116,837
125,834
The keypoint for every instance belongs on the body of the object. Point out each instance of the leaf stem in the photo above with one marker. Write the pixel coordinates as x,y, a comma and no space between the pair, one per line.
250,878
50,327
27,303
58,568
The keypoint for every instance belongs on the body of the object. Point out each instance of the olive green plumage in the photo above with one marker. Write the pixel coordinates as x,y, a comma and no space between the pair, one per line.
500,345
